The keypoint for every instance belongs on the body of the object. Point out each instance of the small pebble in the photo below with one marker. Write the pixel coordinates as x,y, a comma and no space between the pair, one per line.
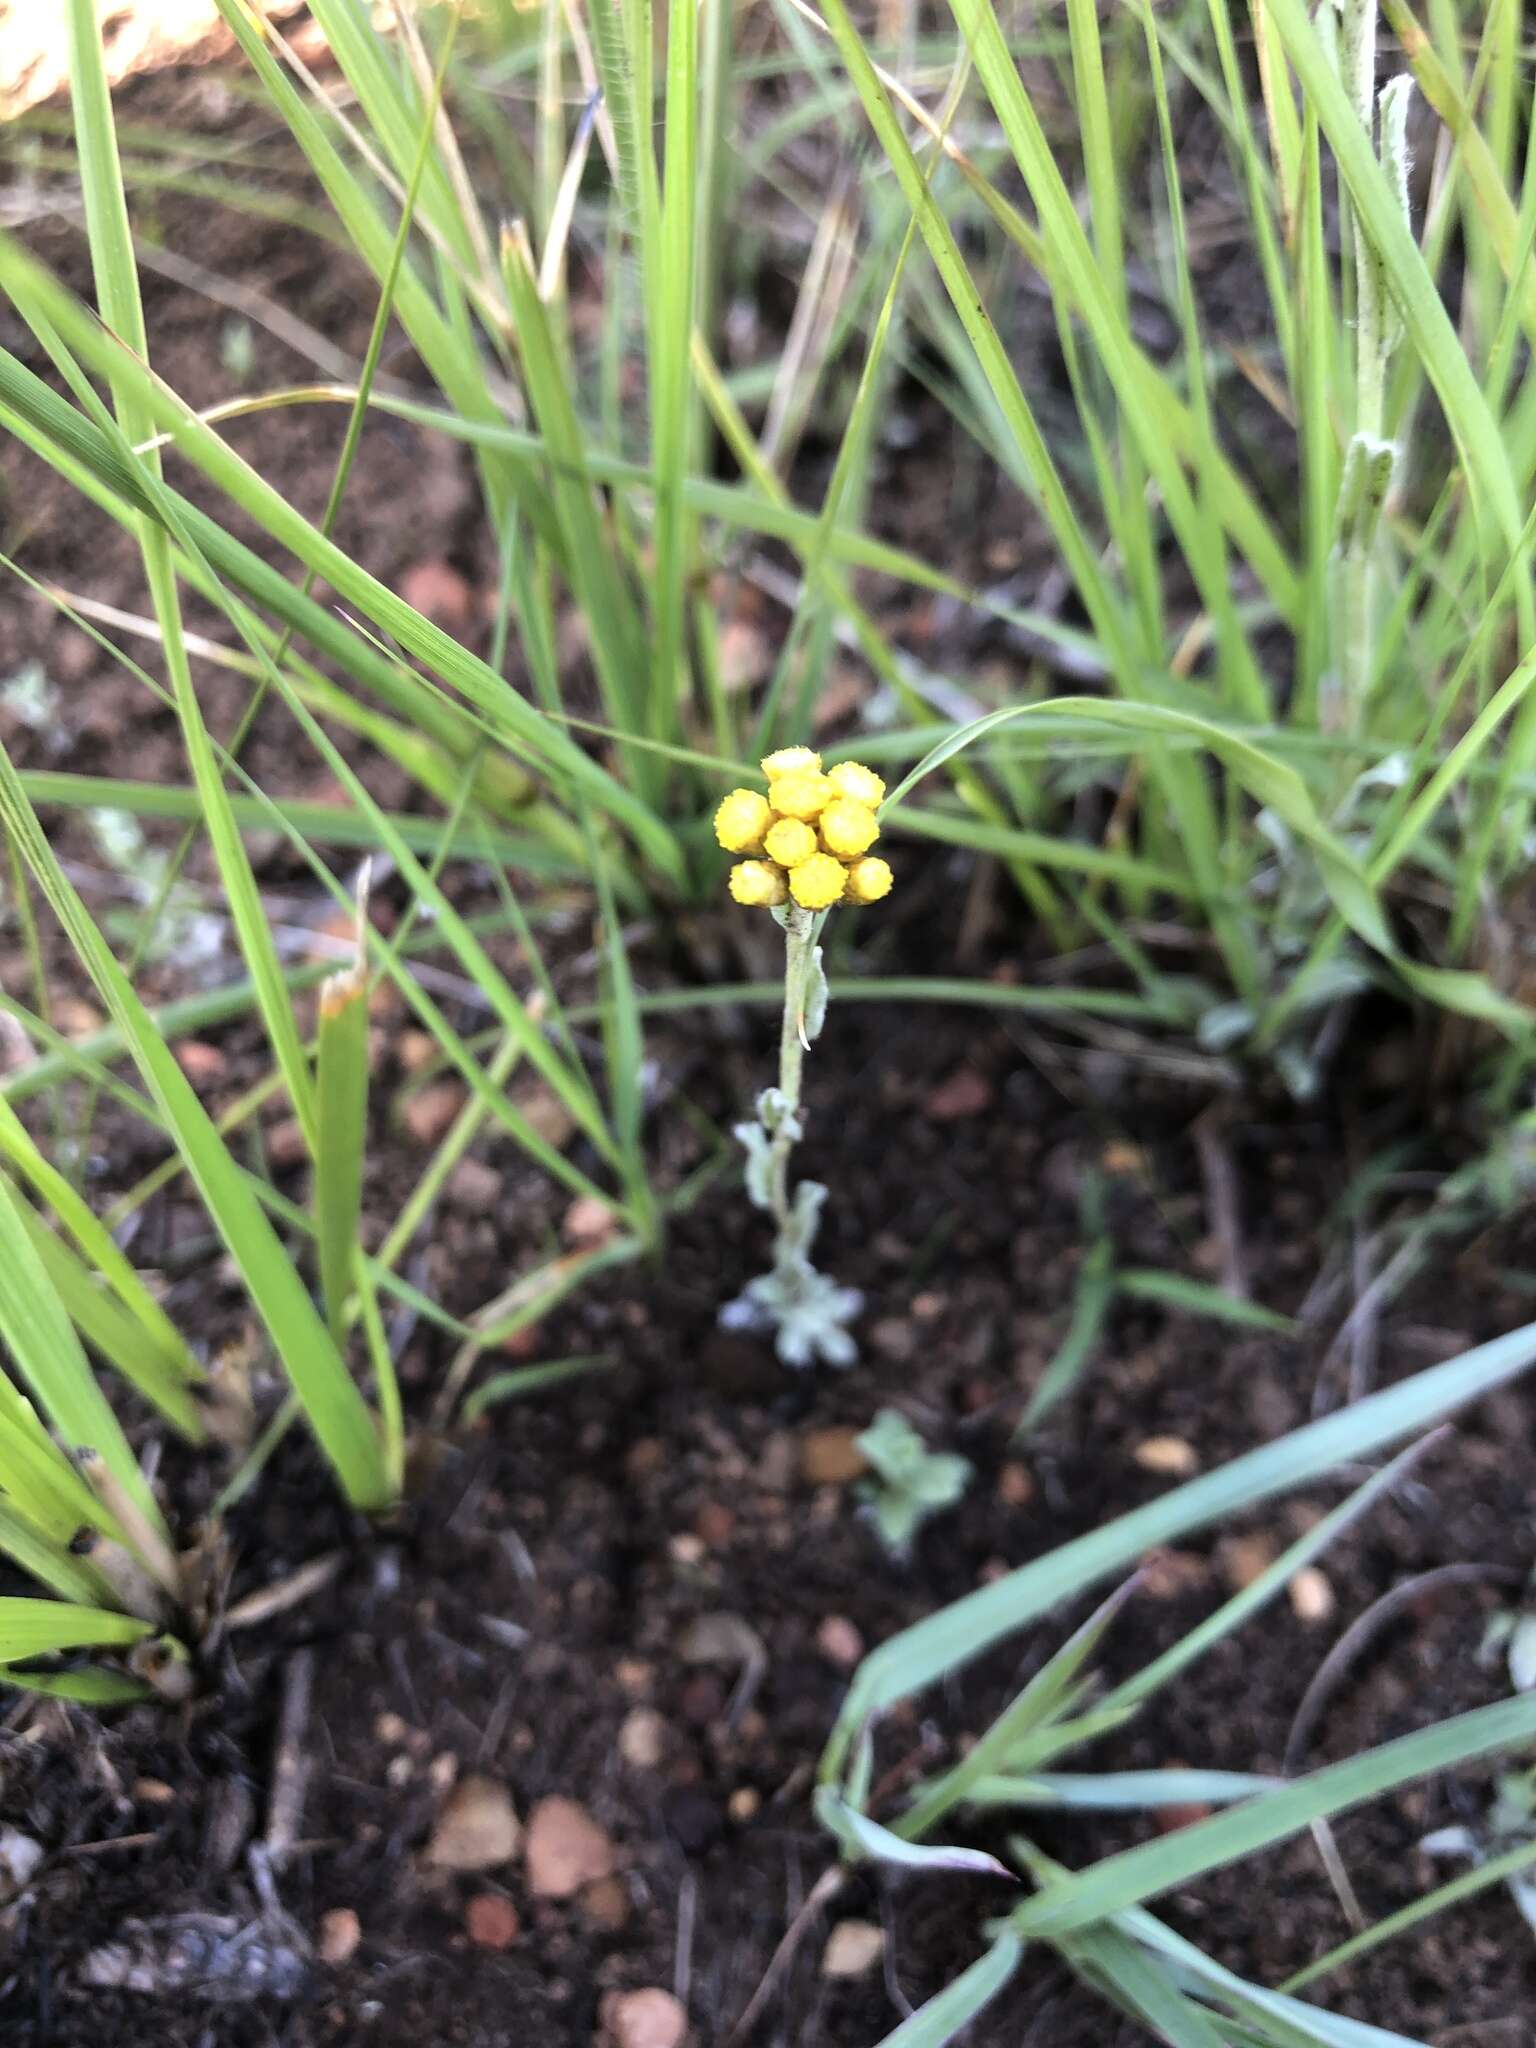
200,1062
340,1933
744,1804
840,1642
474,1185
429,1112
965,1093
1015,1485
491,1921
153,1792
436,589
644,2019
477,1828
831,1457
1311,1595
715,1524
1244,1559
565,1849
588,1223
853,1947
1168,1456
642,1738
286,1143
604,1904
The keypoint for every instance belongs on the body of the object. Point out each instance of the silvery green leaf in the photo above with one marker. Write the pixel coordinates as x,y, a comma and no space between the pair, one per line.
805,1218
941,1480
31,698
776,1115
816,994
897,1515
809,1311
869,1841
755,1142
892,1445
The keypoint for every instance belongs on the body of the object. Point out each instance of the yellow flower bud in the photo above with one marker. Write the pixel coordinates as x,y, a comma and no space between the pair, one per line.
791,761
817,883
803,793
869,879
848,829
853,779
758,883
742,820
789,842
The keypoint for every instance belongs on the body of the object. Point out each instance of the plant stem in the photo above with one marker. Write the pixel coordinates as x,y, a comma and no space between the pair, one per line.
799,950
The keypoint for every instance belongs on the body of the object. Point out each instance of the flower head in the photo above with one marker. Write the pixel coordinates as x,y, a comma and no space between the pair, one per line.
803,793
790,841
759,884
852,779
869,879
848,829
790,761
817,883
742,820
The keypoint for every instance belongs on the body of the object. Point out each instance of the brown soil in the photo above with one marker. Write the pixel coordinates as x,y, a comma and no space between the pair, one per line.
545,1579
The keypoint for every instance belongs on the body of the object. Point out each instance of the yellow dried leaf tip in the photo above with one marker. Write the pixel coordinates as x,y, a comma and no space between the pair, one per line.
817,883
742,821
848,829
869,879
804,793
789,842
790,761
759,884
859,784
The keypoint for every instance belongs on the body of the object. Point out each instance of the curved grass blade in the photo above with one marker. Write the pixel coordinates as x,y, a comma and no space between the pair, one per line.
41,1339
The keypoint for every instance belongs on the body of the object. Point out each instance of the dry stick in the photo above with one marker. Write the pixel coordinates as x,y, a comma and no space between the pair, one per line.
290,1766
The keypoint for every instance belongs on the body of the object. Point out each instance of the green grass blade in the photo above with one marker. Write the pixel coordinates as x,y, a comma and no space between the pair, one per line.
42,1341
40,1628
1200,1298
1091,1301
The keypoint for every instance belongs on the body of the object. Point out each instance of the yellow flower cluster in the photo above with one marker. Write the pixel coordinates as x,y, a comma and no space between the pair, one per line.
809,838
